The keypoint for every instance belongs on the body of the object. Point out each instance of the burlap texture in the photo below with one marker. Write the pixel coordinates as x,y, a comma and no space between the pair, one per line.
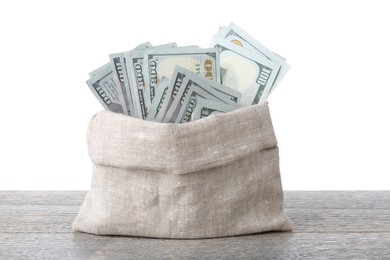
214,177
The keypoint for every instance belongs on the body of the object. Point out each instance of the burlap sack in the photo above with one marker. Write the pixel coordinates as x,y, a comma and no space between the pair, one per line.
214,177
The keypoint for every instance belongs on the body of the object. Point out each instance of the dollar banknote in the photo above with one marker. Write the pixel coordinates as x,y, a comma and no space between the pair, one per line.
241,38
118,65
158,101
175,84
191,87
103,87
206,107
121,76
186,105
159,63
245,71
175,87
172,84
136,72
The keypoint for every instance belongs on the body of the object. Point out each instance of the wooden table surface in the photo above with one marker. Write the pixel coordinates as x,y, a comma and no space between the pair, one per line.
328,225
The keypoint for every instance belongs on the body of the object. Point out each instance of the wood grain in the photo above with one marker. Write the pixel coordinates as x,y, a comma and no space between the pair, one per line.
328,225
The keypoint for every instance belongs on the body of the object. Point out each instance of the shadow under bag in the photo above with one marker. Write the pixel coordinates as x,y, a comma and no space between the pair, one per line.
214,177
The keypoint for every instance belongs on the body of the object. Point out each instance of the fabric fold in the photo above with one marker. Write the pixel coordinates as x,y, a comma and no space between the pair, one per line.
127,142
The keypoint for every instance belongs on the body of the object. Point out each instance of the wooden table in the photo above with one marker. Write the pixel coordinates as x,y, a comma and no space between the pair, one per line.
328,225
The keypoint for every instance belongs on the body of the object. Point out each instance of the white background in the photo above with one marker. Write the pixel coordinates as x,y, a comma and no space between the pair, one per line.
330,112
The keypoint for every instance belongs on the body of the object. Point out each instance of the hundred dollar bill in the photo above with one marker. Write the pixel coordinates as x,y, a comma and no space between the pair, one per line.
121,76
159,63
136,72
104,89
178,89
118,65
246,71
205,108
195,85
161,94
188,104
178,77
238,36
174,87
234,97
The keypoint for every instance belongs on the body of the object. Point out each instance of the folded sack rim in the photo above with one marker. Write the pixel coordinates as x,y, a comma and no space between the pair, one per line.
136,136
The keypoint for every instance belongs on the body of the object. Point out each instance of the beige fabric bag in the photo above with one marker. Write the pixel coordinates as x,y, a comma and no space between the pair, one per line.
218,176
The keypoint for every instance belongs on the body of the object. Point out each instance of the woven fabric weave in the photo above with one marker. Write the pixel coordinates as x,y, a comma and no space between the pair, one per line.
214,177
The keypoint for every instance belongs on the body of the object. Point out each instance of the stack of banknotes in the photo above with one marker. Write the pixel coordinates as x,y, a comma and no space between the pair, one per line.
172,84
